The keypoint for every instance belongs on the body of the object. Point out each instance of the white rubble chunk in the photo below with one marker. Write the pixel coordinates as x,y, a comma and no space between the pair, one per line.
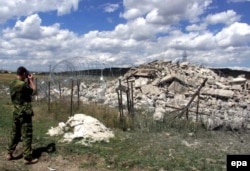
238,80
87,128
159,114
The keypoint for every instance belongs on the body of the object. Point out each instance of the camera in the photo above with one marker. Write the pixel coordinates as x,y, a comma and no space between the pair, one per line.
28,75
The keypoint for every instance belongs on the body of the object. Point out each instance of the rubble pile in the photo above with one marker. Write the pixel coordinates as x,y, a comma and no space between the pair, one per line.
164,86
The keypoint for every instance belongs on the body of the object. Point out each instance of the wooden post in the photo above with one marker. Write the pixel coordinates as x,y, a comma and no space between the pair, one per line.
191,100
132,99
187,113
60,90
36,90
197,110
128,99
71,98
78,94
119,95
49,96
130,106
121,106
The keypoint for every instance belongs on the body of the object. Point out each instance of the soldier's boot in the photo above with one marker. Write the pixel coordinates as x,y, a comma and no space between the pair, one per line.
31,161
9,156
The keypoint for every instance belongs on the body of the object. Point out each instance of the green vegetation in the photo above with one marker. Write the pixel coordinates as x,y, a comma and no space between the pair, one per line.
148,145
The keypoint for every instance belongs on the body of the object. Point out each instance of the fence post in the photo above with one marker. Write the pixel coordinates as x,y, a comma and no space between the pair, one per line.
60,90
128,99
197,110
71,98
49,96
191,100
36,90
120,104
78,93
130,106
132,99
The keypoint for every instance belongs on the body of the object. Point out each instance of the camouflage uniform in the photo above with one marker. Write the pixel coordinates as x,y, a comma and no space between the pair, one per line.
21,93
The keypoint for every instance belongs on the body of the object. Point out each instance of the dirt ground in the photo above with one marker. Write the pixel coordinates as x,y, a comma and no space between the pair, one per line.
49,162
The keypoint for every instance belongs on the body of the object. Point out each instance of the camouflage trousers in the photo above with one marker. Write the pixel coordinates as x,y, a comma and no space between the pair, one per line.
21,128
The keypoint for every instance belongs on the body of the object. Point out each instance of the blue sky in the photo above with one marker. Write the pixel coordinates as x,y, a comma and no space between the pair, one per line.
40,33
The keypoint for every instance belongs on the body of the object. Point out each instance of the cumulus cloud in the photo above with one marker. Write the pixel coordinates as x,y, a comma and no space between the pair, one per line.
29,41
65,6
174,11
19,8
30,28
196,27
227,17
150,31
237,34
155,17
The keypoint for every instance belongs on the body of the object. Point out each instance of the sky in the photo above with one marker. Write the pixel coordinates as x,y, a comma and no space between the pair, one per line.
40,34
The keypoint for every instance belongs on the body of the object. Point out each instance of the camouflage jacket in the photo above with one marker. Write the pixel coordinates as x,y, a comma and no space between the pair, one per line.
21,96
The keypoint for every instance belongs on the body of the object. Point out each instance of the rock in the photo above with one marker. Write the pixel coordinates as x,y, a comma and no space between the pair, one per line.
169,79
212,123
218,92
140,82
145,72
159,114
235,124
176,87
221,86
238,80
150,89
84,128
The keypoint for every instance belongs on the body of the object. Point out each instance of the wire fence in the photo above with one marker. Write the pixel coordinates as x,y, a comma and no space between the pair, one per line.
70,79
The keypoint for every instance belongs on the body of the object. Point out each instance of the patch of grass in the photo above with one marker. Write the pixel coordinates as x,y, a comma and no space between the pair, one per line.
5,121
6,78
108,116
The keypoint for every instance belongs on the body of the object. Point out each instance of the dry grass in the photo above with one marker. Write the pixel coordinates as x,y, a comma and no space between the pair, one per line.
6,78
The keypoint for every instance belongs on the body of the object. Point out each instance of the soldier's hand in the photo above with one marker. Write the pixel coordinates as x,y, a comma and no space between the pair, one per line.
30,77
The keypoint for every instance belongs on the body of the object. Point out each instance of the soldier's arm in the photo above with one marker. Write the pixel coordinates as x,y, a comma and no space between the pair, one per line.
31,83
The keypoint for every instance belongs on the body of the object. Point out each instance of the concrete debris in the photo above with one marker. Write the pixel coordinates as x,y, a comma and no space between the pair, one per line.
238,80
159,114
224,101
218,92
85,129
187,144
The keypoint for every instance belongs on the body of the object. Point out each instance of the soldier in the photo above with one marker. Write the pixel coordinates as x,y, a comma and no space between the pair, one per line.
21,92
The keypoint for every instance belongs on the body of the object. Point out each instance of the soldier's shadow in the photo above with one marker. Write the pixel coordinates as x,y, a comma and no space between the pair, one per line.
50,148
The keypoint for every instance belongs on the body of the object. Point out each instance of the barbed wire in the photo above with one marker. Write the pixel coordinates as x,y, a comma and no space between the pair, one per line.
81,69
